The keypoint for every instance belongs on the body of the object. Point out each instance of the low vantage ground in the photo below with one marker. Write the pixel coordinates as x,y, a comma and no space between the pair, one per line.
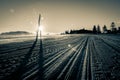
59,39
64,57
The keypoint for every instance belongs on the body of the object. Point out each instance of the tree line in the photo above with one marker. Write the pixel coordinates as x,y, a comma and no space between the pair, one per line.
96,30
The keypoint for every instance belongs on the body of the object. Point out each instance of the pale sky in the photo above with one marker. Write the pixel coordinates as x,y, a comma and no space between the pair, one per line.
57,15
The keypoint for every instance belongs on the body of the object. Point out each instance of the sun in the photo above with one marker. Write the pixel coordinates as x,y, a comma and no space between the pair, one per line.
41,28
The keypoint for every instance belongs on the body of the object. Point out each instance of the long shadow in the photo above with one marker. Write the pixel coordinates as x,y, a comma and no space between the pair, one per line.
20,70
39,75
17,75
40,62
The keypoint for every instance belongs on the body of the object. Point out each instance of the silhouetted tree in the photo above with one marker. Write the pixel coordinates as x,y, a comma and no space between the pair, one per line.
113,28
112,25
98,29
118,29
105,29
94,29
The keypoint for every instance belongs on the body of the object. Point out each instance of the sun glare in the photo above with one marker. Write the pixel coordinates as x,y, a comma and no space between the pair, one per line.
41,28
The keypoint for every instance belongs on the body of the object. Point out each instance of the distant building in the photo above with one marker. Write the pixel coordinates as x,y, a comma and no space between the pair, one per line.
109,31
81,31
66,32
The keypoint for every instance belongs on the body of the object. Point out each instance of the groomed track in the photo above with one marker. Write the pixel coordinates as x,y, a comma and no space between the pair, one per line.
68,57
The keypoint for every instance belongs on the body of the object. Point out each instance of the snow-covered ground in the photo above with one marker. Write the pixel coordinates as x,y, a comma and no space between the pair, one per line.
64,57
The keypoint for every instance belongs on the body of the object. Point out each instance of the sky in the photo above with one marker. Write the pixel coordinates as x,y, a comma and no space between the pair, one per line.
57,15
